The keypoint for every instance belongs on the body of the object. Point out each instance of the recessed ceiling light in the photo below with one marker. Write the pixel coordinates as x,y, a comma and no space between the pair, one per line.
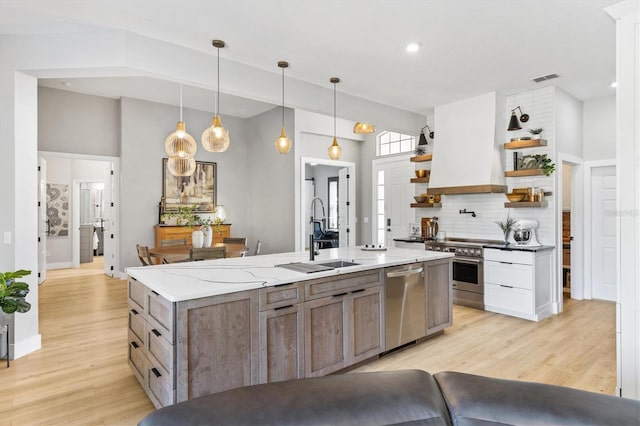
413,47
614,84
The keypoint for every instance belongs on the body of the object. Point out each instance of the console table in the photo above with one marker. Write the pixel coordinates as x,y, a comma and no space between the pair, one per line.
178,232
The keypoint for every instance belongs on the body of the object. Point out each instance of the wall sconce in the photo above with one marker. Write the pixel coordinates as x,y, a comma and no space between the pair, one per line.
423,138
513,121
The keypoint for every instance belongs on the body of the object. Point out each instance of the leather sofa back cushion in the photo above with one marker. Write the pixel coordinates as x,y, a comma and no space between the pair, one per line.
477,400
400,397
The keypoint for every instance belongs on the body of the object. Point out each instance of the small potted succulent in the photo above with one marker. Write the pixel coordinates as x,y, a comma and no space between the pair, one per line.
535,132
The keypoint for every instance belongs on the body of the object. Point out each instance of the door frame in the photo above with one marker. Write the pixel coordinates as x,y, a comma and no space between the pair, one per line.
375,163
300,237
577,229
587,283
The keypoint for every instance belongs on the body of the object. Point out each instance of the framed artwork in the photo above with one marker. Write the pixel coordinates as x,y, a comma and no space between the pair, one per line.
58,209
199,189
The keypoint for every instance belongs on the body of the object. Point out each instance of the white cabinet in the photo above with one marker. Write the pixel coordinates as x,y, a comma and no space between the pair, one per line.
518,283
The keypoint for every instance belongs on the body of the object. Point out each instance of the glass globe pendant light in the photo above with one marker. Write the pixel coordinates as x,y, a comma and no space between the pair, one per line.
181,166
283,143
334,150
216,137
180,143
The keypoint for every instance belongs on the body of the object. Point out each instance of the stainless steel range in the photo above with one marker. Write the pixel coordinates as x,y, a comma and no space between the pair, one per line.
468,271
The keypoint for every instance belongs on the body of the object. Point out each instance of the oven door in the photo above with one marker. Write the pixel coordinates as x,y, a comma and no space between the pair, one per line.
468,274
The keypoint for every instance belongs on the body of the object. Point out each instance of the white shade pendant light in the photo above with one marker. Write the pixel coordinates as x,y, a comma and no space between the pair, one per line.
180,143
334,150
283,143
216,137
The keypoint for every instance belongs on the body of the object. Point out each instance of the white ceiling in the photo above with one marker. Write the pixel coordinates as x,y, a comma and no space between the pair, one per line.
469,47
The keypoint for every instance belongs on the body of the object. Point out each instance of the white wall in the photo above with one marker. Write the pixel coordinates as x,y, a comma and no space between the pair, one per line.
566,187
567,114
599,128
77,123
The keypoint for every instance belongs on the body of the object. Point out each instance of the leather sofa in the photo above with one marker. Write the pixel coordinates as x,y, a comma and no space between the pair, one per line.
401,397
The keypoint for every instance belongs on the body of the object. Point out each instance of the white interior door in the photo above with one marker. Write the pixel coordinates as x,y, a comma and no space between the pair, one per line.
111,222
346,207
43,222
603,232
393,198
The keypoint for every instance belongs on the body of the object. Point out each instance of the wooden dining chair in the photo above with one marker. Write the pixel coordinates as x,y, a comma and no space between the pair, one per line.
235,240
143,255
207,253
168,243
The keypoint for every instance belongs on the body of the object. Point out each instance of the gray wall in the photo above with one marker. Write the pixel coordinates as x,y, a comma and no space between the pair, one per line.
77,123
599,128
269,196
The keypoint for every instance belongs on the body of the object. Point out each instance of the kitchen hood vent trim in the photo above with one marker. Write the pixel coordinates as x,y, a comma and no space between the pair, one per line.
469,189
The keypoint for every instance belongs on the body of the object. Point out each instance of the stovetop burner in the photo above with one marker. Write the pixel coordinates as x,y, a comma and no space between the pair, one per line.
460,246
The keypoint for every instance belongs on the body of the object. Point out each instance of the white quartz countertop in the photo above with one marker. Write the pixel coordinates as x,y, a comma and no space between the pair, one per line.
191,280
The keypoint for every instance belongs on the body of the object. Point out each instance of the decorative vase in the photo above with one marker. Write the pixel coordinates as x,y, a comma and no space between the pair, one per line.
197,239
506,237
208,235
536,136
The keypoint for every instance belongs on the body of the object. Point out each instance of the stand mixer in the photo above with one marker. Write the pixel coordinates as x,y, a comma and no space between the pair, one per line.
524,233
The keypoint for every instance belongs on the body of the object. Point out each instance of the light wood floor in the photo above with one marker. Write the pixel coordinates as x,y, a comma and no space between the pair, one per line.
81,375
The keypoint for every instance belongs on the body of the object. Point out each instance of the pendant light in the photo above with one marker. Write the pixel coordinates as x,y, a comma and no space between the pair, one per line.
283,143
181,166
216,137
362,128
334,150
180,143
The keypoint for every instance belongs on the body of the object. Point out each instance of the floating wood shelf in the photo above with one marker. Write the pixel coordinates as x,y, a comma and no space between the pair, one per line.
422,158
473,189
420,180
524,204
529,143
426,205
520,173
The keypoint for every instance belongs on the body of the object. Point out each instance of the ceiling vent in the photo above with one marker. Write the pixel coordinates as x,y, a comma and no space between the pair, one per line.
545,77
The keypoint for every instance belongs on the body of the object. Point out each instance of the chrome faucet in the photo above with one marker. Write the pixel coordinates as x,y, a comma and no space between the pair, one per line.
312,243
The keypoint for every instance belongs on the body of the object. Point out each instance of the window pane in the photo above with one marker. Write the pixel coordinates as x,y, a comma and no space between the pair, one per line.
381,193
405,145
380,206
381,236
380,177
384,149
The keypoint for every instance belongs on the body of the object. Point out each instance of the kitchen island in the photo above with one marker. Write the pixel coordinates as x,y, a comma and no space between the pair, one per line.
202,327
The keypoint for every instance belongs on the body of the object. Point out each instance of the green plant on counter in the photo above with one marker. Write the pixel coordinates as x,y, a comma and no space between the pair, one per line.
506,226
13,293
420,150
536,130
545,164
184,214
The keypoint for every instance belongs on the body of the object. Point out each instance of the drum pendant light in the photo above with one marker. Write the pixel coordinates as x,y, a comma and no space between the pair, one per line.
216,137
283,143
334,150
180,143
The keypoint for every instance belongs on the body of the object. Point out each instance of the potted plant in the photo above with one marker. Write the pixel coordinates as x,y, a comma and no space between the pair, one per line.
185,214
535,132
12,299
545,164
506,226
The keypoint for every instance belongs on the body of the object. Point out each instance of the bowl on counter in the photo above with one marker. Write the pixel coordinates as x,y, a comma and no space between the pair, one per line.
419,198
515,197
422,173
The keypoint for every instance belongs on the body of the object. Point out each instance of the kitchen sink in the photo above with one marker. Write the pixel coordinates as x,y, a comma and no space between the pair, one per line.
338,264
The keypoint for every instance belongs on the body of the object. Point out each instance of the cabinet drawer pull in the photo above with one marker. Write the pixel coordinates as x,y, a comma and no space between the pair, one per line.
357,291
340,294
134,345
152,291
282,307
282,285
506,286
507,263
134,312
156,332
156,372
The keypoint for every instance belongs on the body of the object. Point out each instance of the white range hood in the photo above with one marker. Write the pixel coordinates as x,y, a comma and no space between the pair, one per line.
467,157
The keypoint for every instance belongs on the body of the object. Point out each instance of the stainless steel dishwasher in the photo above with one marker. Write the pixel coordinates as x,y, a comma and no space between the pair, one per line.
405,304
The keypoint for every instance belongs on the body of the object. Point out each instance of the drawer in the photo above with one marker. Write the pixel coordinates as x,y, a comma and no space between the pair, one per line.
512,299
137,359
160,348
275,297
160,385
137,324
512,256
161,314
513,275
334,285
136,295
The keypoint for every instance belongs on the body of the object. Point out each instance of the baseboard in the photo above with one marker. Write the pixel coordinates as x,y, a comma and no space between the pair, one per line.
59,265
26,346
